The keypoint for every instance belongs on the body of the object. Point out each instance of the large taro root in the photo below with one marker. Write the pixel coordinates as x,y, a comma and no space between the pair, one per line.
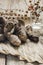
8,29
2,24
20,31
22,34
14,40
31,37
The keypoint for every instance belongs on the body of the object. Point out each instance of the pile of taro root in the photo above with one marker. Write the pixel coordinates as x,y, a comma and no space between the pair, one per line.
15,32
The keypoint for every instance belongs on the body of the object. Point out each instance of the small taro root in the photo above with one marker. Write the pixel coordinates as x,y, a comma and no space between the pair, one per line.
29,30
23,36
33,38
2,38
30,36
9,26
14,40
2,24
20,31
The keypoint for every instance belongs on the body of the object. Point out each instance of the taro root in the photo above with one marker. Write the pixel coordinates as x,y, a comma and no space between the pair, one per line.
30,35
20,31
2,38
22,35
8,29
33,38
9,26
14,40
29,29
2,24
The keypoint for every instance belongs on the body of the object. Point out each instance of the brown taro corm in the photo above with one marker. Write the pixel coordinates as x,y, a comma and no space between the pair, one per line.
14,40
9,27
31,37
2,24
20,30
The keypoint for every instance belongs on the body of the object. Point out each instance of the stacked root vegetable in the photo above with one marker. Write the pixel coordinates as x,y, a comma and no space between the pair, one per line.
15,32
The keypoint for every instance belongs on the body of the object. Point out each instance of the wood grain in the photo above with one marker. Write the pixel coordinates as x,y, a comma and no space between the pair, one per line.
2,59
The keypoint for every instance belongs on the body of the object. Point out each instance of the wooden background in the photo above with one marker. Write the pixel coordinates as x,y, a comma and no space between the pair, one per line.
11,60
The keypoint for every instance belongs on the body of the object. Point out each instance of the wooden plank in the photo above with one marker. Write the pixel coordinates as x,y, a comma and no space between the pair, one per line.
28,51
11,60
2,59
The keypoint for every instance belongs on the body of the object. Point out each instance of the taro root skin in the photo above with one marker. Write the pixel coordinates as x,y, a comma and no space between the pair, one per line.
2,24
31,37
2,38
14,40
9,27
22,35
34,39
23,38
